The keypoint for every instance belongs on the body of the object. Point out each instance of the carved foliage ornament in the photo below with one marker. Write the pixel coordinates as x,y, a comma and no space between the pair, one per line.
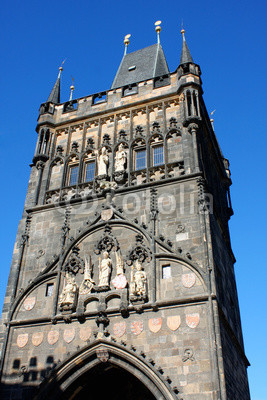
108,242
140,252
75,262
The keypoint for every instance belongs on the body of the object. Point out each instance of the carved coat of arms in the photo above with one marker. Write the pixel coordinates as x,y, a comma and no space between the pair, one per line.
68,335
137,327
22,339
106,214
120,281
192,320
102,355
154,324
174,322
119,328
52,336
85,333
37,338
189,280
29,303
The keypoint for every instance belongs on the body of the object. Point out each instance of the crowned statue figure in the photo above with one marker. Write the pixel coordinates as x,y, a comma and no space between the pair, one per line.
68,297
138,286
120,159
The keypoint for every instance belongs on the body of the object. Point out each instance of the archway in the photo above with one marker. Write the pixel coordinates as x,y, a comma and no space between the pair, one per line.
106,381
105,369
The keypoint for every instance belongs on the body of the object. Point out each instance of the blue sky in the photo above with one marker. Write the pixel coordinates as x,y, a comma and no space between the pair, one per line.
226,38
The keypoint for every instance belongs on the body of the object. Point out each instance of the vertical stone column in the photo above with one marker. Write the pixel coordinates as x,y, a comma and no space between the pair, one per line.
192,128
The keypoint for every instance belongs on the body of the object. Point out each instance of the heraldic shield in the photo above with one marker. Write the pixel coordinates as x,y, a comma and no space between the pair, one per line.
119,328
154,324
137,327
192,320
174,322
52,337
22,339
29,303
120,281
37,338
68,335
189,280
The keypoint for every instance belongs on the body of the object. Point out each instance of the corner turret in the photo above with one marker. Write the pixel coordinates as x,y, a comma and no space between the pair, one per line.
54,97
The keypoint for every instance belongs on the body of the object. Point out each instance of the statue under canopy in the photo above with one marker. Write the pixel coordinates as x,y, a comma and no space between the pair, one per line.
120,159
102,161
138,286
68,297
105,266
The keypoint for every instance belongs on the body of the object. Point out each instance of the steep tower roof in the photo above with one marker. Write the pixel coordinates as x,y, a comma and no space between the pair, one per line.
54,96
141,65
185,55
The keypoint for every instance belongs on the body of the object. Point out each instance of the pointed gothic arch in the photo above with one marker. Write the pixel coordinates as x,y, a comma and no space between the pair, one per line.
77,373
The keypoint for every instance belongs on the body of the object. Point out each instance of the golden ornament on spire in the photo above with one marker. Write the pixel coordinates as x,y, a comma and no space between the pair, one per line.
71,89
126,42
158,28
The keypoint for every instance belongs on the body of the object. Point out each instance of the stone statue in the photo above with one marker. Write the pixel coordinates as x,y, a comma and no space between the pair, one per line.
102,161
68,297
105,266
120,159
138,286
119,263
87,283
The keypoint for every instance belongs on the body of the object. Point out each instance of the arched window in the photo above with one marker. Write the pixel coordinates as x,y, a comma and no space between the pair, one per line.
195,103
157,150
189,103
40,143
72,178
89,171
140,159
139,155
46,142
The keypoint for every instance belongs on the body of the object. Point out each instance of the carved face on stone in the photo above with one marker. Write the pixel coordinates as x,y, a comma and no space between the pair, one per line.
105,254
104,150
138,266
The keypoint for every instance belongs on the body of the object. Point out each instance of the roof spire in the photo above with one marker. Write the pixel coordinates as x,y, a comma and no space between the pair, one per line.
126,42
185,56
158,29
211,118
54,96
71,89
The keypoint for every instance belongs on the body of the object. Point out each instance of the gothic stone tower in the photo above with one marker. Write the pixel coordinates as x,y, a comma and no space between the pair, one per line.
122,280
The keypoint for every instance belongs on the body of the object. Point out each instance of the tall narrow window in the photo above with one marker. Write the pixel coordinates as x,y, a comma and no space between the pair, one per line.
89,171
73,175
189,103
158,157
140,159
